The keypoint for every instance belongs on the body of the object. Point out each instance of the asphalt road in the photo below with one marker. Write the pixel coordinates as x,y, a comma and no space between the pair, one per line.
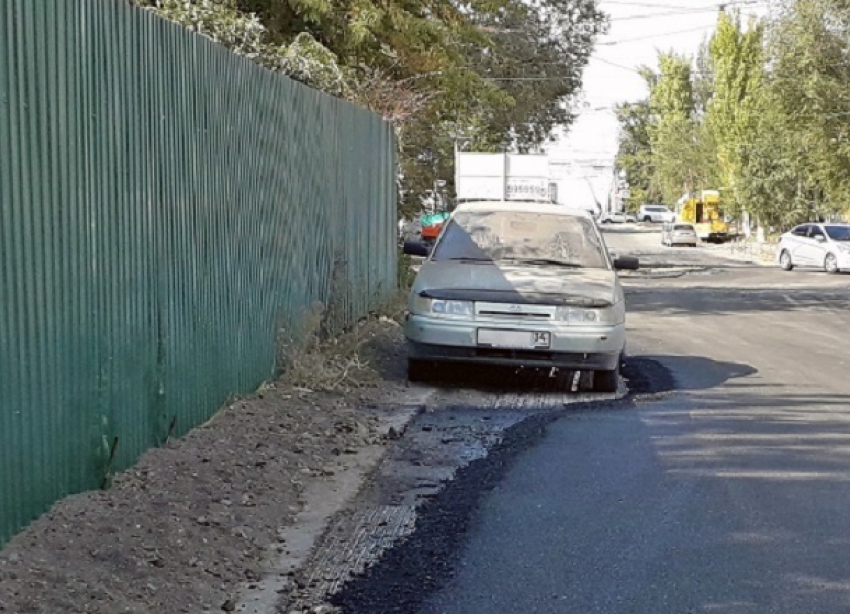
730,494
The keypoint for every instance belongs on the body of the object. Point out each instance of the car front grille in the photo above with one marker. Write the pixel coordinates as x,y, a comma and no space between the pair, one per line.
519,311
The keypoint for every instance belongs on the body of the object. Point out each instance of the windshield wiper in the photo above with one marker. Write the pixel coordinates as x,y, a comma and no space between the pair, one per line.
465,259
545,261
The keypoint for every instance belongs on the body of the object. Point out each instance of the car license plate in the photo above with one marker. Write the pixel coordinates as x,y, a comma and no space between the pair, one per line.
514,339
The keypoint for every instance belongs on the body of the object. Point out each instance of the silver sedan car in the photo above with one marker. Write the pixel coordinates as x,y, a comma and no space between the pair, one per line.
519,284
679,234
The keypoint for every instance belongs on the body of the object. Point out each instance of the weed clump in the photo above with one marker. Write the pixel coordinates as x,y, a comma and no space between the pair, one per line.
315,361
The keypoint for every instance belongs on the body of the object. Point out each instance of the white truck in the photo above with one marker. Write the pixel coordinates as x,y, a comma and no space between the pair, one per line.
520,177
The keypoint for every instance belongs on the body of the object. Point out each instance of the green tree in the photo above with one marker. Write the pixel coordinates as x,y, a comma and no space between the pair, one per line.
703,79
634,154
771,180
664,146
809,76
496,74
738,66
681,152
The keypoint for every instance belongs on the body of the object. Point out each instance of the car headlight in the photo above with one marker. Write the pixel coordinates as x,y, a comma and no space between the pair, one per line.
579,315
440,307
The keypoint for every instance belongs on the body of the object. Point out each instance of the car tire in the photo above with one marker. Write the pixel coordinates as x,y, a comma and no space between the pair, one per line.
418,370
785,260
607,381
830,264
646,218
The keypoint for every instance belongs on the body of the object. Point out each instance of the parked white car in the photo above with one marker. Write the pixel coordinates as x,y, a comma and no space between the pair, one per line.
617,217
656,213
519,284
614,217
824,246
679,234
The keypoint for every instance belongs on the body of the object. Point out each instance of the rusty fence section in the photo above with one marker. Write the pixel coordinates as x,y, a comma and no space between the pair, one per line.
165,208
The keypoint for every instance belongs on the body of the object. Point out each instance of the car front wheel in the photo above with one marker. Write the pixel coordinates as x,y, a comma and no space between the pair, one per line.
830,264
607,381
418,370
785,261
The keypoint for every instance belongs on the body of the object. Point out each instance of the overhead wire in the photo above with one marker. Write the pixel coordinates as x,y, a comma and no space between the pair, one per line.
649,36
715,5
673,13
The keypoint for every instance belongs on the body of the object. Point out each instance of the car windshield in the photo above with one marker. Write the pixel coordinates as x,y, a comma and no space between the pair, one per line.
838,233
522,237
683,227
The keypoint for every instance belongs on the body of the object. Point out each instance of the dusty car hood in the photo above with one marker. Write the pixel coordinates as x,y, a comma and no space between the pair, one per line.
518,284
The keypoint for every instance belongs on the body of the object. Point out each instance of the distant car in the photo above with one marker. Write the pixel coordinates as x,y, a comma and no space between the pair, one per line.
656,213
631,217
613,217
824,246
520,285
617,217
679,234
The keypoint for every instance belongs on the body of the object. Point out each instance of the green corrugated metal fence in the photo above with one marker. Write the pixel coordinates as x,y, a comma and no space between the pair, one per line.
165,206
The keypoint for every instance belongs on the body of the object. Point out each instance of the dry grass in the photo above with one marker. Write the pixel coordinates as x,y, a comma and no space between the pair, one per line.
314,361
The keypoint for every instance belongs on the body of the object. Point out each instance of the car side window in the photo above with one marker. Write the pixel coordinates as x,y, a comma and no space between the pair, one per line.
801,231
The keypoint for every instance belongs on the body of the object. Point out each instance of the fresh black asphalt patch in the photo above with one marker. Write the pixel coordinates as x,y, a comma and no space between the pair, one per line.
425,560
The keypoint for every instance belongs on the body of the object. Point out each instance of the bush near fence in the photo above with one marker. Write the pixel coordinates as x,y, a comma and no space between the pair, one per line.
166,209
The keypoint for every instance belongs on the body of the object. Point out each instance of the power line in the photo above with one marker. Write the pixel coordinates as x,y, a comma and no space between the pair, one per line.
691,11
565,78
649,36
694,72
615,65
716,5
647,5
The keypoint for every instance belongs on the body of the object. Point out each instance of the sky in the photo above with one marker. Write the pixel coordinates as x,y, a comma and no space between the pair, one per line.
639,29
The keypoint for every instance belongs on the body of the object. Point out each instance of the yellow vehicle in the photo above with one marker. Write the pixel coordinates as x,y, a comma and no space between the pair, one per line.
704,211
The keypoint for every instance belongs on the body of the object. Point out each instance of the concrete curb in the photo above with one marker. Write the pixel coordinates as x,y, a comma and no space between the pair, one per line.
323,500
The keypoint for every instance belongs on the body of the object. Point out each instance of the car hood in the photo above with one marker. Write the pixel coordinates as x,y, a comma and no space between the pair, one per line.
518,284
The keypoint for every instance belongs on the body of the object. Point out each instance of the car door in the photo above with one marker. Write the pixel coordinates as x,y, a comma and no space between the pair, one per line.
817,246
799,245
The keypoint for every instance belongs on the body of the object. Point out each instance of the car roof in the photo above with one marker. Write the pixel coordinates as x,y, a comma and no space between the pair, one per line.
493,206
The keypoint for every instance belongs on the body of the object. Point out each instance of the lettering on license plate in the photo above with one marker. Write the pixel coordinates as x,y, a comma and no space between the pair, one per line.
540,340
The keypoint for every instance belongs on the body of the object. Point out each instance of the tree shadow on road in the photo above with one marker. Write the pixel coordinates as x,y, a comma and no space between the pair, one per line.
709,301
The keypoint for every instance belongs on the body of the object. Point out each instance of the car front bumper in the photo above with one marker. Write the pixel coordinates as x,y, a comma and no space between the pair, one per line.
591,348
843,258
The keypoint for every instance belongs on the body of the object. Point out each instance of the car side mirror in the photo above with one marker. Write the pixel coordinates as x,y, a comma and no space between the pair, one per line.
820,238
626,263
417,248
